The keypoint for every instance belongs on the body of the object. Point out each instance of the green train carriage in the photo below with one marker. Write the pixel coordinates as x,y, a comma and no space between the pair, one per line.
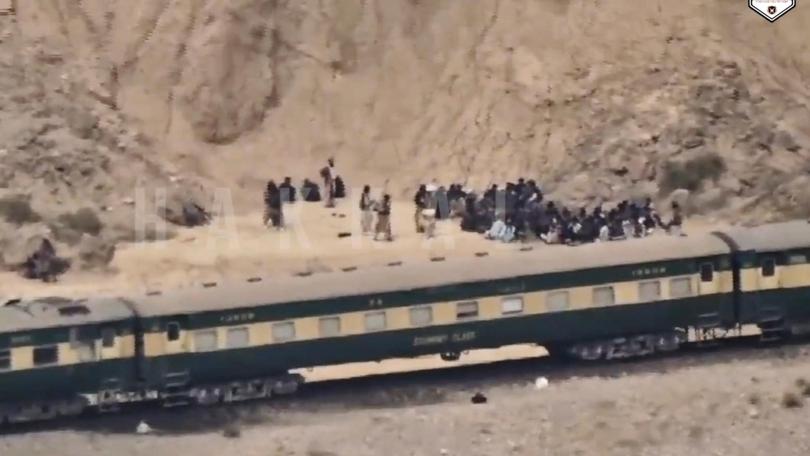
58,355
240,341
555,296
774,276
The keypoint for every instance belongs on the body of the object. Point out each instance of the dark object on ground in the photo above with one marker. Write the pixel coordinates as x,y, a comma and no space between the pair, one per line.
43,264
479,398
340,188
195,215
343,235
310,191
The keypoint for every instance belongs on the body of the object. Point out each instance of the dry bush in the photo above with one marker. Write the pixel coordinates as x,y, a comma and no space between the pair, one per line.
791,400
17,209
753,399
690,174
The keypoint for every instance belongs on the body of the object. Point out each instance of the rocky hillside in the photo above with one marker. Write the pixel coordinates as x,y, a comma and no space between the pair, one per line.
595,100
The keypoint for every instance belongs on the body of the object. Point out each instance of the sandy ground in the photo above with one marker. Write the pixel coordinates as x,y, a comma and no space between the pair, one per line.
237,247
716,404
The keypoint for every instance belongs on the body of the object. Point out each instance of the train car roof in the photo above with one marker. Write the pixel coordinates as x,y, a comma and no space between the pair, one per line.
772,237
408,276
42,313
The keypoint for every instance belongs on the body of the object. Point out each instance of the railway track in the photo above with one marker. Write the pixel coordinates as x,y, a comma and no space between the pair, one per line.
431,386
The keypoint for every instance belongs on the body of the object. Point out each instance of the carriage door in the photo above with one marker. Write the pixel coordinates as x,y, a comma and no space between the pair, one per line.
174,338
110,343
708,282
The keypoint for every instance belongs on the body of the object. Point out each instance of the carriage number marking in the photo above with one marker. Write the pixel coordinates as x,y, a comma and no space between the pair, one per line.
649,271
238,318
464,336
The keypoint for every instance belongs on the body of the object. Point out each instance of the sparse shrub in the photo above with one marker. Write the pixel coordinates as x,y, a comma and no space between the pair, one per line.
791,400
17,209
691,173
801,382
805,390
84,220
753,399
232,431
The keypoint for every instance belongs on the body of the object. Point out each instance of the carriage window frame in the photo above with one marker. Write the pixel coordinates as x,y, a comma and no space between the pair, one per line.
108,337
51,353
370,316
508,309
173,331
243,339
681,294
421,310
329,331
768,267
597,297
706,272
467,314
207,346
5,360
554,296
280,336
647,297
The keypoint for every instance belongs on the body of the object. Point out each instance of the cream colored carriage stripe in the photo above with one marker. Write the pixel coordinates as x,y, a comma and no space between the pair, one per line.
443,313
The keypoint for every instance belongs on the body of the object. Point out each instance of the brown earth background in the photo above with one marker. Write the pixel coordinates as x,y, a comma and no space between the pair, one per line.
597,100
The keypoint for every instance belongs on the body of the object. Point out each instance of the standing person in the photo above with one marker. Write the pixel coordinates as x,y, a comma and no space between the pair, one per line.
366,208
419,202
272,203
674,225
329,173
384,219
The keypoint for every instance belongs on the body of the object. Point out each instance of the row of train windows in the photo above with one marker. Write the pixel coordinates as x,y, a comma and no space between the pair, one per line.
205,340
43,356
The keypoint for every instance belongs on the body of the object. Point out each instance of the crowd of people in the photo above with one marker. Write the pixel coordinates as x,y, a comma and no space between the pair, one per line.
518,211
513,212
276,196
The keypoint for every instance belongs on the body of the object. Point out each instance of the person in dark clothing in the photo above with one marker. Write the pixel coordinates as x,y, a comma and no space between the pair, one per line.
677,218
491,193
384,219
443,208
420,202
288,193
310,191
273,202
43,264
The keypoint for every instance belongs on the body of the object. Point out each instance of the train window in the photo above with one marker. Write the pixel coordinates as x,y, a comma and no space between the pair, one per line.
173,331
107,337
706,272
46,355
512,305
284,331
649,291
375,321
603,296
557,301
680,287
768,267
238,338
5,360
421,316
797,259
467,310
205,340
85,349
329,326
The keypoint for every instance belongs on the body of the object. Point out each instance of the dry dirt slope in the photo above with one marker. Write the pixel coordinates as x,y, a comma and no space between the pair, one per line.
240,89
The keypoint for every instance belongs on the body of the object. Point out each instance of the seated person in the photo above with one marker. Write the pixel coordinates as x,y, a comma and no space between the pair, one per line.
310,191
